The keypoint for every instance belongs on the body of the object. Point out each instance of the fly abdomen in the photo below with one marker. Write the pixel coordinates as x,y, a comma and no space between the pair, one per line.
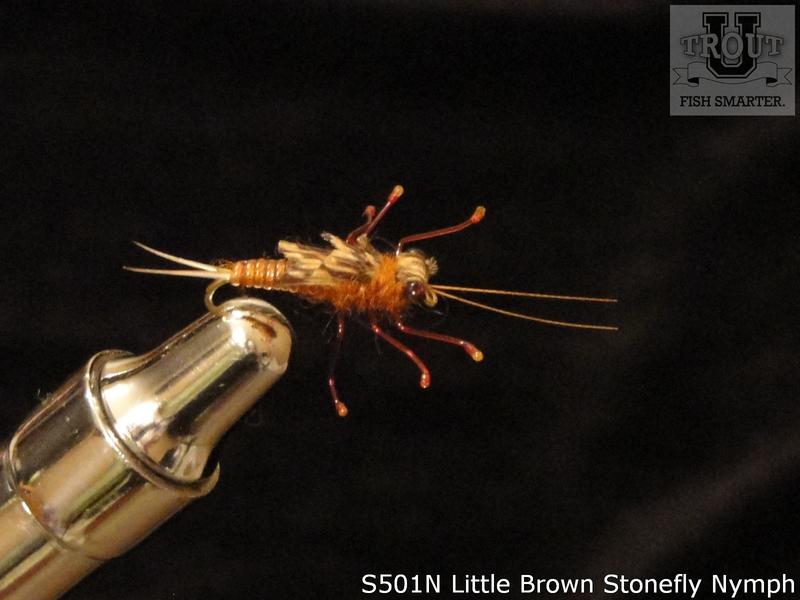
264,273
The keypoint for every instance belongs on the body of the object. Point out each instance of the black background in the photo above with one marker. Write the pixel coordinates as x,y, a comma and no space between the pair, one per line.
212,131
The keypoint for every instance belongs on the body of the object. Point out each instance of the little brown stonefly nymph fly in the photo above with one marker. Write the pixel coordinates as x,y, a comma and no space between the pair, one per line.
353,278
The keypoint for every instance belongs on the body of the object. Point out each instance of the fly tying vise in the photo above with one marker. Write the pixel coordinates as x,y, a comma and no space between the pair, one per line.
352,277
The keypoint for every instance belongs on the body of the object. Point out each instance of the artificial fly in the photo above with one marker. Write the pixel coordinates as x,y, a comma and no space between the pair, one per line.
353,278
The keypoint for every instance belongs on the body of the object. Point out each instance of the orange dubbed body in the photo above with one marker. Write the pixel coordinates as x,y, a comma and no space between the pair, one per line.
353,278
382,294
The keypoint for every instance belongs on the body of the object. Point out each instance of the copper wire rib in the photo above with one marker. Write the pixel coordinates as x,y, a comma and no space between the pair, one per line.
264,273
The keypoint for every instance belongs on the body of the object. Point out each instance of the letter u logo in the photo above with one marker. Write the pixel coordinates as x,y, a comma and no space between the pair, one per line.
732,56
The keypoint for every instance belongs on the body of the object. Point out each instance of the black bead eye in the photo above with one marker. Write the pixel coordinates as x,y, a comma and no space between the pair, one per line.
415,290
